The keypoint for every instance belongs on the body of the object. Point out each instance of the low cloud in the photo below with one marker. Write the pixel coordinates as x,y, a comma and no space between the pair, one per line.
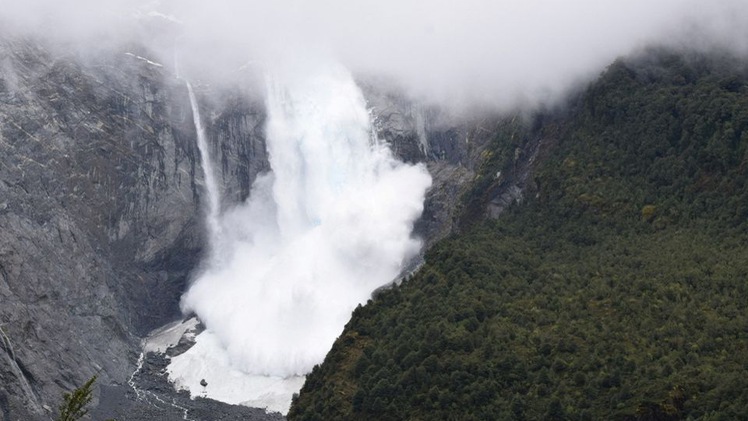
502,53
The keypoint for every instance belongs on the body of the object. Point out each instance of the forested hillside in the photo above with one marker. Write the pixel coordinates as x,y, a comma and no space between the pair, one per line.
618,288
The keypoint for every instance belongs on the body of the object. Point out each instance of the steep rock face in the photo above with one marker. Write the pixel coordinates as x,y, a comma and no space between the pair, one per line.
451,147
101,193
100,217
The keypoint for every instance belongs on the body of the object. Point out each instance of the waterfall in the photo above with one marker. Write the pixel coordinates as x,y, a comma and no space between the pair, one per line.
213,194
420,120
329,224
10,354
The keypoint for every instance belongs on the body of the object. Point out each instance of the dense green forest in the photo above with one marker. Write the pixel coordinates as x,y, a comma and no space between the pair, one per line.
618,289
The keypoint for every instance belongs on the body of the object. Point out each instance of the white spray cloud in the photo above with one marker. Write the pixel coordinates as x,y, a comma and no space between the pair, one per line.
331,223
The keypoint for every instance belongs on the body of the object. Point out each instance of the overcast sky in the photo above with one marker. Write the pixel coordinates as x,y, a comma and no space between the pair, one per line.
501,52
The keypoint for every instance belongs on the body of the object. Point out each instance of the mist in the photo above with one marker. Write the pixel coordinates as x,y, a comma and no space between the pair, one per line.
501,54
332,221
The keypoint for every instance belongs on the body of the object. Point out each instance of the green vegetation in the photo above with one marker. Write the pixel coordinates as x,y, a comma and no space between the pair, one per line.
73,406
617,290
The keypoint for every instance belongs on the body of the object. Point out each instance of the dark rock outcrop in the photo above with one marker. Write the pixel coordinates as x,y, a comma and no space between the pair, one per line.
451,147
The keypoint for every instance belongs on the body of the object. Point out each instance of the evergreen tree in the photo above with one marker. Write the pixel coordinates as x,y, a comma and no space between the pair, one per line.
73,405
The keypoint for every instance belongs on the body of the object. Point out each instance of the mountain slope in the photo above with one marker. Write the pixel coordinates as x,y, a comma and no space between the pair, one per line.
101,205
616,291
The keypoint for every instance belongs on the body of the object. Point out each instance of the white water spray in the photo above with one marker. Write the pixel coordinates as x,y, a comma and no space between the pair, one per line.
331,223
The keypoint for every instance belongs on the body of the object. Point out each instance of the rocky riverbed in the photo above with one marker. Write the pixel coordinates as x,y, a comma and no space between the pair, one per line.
149,395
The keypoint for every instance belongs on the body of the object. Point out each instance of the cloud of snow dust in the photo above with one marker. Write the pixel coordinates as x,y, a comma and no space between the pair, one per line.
330,224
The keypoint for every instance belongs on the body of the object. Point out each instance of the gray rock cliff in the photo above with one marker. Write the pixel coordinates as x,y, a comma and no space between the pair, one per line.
100,216
101,203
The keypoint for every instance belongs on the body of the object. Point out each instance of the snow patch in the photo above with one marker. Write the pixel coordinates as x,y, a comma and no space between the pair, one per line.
152,63
208,363
168,336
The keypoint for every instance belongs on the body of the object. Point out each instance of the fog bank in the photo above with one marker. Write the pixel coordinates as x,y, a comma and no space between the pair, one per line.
501,53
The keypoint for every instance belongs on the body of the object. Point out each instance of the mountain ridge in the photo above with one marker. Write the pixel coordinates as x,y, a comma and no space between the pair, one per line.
615,290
